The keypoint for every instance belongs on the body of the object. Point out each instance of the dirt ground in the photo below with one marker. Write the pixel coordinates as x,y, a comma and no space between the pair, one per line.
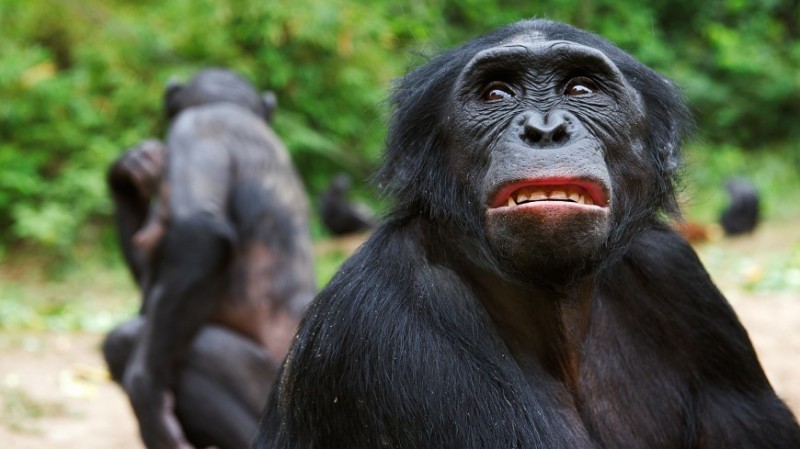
54,392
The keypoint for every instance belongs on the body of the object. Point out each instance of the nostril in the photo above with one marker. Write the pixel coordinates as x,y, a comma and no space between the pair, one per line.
560,134
546,131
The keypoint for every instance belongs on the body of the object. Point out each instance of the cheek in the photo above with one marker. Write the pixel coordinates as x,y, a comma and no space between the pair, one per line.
472,138
469,163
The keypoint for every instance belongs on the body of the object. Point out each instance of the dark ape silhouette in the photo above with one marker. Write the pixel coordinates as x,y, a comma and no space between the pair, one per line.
524,292
339,215
214,226
742,212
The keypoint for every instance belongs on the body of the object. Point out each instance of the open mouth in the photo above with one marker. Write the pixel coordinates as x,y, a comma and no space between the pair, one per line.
584,193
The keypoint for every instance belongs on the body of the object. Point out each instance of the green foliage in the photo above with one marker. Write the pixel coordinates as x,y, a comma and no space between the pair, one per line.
773,171
82,80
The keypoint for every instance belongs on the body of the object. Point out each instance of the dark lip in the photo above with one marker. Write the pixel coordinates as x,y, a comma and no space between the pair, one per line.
597,190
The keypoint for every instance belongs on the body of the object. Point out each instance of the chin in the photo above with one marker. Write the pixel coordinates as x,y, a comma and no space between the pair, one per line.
549,242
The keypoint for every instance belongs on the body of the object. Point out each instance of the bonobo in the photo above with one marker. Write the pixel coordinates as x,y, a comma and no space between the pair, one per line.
339,215
524,291
742,212
214,226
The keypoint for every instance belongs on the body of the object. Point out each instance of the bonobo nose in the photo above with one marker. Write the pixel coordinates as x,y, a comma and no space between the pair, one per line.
552,130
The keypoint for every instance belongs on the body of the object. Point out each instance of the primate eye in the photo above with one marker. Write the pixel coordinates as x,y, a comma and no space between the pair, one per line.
497,91
580,86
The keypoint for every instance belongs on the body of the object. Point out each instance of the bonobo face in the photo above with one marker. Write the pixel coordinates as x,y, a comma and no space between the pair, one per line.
538,150
538,124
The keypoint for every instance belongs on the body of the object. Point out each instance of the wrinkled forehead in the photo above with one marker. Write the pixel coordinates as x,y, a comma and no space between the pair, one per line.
533,49
534,53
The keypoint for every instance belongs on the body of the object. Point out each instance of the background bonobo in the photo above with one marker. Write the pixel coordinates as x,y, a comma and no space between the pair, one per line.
223,258
524,291
741,214
339,215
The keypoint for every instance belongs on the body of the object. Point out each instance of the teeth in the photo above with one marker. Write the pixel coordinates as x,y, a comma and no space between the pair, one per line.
538,195
533,194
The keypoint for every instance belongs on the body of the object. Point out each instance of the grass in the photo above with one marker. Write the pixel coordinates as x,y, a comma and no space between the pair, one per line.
94,291
20,411
766,262
89,293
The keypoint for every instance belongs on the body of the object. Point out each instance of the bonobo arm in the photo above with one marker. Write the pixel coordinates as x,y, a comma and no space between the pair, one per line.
189,276
133,180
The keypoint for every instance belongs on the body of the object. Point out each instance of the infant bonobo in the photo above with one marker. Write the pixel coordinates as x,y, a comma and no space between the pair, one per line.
525,292
214,226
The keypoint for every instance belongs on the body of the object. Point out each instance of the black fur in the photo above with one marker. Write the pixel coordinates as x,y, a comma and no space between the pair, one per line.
338,214
741,215
464,324
218,85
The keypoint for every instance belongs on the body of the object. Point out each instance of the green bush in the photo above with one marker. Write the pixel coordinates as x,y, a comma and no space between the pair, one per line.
82,80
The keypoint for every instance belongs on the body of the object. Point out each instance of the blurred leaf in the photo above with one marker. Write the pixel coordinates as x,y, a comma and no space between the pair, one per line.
82,80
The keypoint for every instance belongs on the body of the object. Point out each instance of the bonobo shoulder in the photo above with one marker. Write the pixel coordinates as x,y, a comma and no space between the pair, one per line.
661,245
226,115
235,127
393,251
660,266
389,271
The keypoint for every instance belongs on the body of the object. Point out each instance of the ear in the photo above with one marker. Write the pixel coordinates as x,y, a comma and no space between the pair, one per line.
172,95
672,157
270,102
670,121
672,124
677,126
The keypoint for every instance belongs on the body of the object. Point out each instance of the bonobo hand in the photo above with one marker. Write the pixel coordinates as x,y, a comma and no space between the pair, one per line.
140,167
154,406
